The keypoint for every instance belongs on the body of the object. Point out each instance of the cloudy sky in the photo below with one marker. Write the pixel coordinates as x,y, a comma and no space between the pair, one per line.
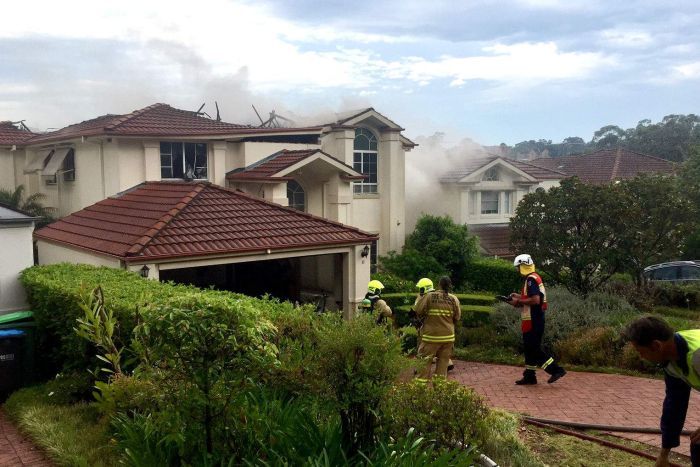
492,70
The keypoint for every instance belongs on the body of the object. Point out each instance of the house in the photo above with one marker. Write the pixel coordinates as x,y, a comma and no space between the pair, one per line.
484,192
203,234
17,254
12,154
353,170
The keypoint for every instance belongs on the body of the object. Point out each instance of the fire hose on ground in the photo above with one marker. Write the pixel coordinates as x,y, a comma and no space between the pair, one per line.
558,424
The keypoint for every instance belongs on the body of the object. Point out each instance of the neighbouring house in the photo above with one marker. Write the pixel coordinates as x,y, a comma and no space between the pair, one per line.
12,154
484,192
203,234
17,254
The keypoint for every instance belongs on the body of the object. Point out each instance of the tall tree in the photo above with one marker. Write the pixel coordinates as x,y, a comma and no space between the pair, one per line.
658,218
32,204
573,232
609,136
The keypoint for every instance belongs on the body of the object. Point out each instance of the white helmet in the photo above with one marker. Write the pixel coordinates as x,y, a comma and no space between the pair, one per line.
523,259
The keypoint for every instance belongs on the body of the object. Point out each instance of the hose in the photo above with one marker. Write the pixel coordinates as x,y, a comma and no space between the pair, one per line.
589,426
603,442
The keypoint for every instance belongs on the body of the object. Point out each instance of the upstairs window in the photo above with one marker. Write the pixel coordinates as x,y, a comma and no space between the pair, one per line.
183,160
491,175
296,195
489,202
59,163
365,160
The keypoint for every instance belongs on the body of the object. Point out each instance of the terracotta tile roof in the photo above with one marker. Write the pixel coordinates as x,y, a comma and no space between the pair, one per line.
10,134
156,120
472,165
157,220
606,165
267,168
494,239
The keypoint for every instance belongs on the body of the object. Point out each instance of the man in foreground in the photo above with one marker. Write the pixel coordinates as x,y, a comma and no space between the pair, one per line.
679,353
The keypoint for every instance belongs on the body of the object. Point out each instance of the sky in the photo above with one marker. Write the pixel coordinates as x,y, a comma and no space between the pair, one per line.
492,71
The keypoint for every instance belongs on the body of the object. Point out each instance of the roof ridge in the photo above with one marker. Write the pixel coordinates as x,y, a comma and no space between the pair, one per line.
616,164
287,208
541,167
126,117
140,244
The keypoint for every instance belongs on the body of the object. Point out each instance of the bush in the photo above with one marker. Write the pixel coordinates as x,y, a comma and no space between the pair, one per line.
444,411
566,314
409,339
643,298
55,292
496,275
393,283
679,295
599,346
410,264
128,394
472,315
407,299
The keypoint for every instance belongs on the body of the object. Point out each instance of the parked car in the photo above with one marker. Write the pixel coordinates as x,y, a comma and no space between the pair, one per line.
675,271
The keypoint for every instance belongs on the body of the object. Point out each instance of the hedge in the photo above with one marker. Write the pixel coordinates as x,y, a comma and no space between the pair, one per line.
400,299
54,293
493,274
472,315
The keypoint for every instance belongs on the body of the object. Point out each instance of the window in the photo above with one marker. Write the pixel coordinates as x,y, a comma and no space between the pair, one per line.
296,195
508,202
365,160
183,160
491,175
59,162
68,167
489,202
373,257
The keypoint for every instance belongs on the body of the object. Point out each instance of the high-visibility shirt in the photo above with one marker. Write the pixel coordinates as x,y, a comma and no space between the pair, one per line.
533,315
441,312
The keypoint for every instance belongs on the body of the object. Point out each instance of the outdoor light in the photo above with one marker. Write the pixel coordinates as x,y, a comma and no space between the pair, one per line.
144,271
365,251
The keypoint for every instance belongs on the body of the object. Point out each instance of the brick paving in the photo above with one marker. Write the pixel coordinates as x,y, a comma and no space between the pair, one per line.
596,398
16,449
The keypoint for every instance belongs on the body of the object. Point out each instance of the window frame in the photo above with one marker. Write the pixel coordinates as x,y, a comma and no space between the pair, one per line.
363,160
497,200
300,190
491,175
183,154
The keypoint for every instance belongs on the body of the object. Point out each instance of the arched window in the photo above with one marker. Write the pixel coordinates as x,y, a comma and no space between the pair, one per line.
365,160
296,195
491,175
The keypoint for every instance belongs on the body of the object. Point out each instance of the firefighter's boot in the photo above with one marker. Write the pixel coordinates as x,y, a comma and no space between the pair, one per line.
529,377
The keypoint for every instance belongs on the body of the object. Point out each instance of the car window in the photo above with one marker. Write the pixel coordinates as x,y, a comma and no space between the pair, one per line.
668,273
690,273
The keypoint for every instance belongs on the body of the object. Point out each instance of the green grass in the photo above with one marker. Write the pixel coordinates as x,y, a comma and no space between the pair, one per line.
70,435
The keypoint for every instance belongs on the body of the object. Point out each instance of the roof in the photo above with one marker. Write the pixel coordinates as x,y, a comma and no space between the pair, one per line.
494,239
159,220
472,165
10,134
156,120
271,166
9,215
606,165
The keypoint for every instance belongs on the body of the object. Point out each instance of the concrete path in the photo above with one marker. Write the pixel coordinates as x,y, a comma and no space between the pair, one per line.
17,450
596,398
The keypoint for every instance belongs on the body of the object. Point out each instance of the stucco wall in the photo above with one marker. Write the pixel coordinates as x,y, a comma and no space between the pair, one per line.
16,254
50,253
7,169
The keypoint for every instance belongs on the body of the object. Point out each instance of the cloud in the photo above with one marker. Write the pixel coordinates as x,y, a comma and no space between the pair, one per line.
687,71
626,38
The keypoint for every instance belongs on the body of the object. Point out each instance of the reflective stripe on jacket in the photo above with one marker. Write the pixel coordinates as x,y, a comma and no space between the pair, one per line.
525,312
441,312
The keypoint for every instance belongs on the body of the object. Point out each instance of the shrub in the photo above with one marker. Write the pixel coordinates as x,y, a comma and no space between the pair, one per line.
54,293
641,297
410,264
599,346
358,364
496,275
679,295
393,283
409,339
128,394
444,411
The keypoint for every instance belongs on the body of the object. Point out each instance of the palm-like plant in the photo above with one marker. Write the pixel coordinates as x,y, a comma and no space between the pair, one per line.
32,204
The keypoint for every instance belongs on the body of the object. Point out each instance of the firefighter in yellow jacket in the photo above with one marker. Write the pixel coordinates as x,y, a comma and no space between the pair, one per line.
425,285
372,303
440,311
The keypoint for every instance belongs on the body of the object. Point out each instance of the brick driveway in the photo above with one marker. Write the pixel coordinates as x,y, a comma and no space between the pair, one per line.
578,397
15,449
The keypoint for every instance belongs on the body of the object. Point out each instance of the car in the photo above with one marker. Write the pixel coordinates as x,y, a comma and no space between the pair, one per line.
674,271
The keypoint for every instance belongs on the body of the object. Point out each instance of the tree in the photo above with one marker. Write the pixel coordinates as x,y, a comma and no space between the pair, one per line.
436,247
31,205
609,136
573,233
689,184
658,218
672,138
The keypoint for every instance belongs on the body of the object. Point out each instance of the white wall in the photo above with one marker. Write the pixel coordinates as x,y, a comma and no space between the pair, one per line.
50,253
16,254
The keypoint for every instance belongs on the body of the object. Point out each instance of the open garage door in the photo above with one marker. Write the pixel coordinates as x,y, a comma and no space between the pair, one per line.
297,279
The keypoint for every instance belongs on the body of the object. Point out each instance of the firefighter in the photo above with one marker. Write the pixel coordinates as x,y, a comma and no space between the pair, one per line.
532,302
679,353
424,286
373,303
440,311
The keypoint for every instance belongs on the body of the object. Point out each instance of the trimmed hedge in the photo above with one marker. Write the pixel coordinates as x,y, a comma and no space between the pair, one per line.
472,315
493,274
54,293
395,300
